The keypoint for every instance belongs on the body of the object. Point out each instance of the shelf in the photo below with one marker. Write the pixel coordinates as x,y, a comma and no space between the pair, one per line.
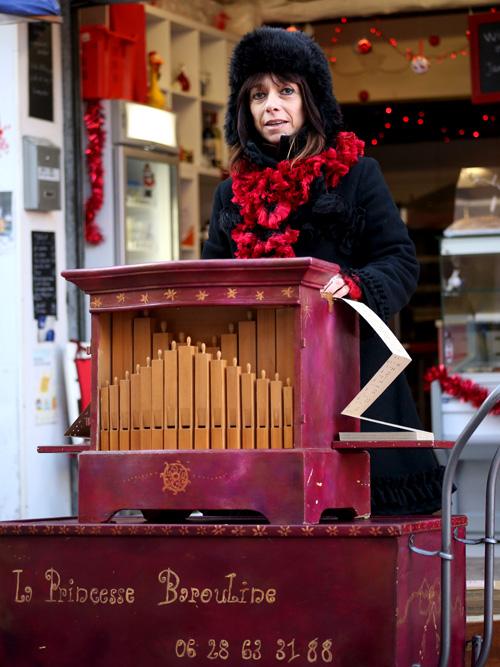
187,171
428,289
140,205
181,93
209,102
154,15
204,52
465,292
210,172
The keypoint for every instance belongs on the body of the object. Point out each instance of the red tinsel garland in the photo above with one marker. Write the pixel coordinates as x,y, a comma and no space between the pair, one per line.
266,197
94,123
459,387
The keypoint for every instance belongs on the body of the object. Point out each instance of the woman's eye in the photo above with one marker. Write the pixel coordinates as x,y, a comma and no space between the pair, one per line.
258,95
287,90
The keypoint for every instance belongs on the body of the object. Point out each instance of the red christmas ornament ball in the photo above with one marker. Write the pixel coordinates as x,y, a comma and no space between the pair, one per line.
434,40
363,46
363,96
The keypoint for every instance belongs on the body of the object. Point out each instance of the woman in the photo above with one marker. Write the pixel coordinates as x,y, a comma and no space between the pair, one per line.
301,187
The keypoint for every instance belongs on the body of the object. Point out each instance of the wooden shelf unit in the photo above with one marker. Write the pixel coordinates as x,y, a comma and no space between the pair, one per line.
204,52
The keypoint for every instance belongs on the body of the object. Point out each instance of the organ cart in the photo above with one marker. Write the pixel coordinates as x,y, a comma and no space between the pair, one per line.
217,391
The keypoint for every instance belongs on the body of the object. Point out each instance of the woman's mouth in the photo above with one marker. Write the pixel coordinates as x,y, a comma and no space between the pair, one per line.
275,123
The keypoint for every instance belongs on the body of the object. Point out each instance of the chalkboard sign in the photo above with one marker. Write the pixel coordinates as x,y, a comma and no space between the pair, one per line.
485,57
40,75
43,253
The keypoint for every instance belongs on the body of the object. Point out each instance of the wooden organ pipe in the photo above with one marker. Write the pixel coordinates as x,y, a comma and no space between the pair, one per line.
186,397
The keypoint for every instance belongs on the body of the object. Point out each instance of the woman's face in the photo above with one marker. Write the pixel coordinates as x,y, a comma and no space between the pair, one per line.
276,108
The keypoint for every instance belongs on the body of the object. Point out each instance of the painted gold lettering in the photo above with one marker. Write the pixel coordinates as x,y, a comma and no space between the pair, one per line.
27,593
206,595
243,591
94,595
256,595
70,590
271,595
230,597
195,594
174,591
54,579
220,596
130,596
82,594
172,581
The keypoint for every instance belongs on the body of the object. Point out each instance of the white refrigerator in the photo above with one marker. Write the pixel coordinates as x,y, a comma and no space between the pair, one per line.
139,218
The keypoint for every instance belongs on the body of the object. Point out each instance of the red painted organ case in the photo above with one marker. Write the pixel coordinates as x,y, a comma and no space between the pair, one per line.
219,385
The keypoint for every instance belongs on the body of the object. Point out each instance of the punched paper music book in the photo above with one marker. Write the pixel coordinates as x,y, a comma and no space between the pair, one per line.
386,374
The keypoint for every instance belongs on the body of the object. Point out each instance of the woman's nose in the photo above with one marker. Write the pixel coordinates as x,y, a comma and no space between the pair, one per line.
272,102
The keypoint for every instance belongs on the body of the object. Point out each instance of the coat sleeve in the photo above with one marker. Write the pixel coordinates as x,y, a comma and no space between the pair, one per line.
388,271
218,245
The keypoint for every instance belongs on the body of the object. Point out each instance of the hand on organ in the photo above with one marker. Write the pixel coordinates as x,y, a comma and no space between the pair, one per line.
340,286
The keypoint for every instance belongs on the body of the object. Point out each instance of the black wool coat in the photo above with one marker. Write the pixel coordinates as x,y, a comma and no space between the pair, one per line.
357,226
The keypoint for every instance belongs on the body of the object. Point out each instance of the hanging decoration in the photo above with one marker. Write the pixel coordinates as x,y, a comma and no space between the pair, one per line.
220,20
410,122
465,390
419,62
363,46
94,124
363,96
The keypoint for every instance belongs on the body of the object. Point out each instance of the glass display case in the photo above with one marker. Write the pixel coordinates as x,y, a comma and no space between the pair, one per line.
470,331
470,276
470,270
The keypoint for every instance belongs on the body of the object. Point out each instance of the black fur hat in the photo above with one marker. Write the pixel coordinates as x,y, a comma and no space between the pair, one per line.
277,51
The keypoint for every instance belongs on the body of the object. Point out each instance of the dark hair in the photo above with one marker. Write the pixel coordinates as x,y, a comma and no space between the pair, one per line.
316,137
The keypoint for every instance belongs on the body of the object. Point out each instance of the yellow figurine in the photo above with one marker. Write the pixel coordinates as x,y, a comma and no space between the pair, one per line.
156,97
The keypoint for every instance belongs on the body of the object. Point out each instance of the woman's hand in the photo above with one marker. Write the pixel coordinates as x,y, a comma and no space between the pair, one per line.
337,287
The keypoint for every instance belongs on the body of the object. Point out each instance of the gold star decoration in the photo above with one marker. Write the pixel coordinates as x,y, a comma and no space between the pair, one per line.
145,298
96,302
202,295
259,295
231,293
170,294
120,297
288,292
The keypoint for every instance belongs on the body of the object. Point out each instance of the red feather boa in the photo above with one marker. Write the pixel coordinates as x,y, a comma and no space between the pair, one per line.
266,197
465,390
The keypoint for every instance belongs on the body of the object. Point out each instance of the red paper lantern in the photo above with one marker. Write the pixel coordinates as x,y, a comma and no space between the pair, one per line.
434,40
363,96
363,46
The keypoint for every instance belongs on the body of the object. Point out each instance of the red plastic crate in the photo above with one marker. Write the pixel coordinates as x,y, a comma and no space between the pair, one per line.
107,63
130,20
